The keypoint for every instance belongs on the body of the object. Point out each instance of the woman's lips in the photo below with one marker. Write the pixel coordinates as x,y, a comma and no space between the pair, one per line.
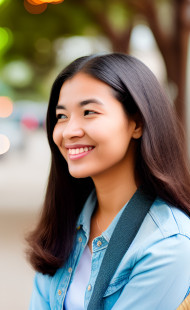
76,152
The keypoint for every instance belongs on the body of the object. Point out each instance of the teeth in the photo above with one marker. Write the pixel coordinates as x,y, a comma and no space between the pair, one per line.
81,150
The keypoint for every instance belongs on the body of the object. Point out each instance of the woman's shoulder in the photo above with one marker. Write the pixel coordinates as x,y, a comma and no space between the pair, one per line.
165,232
43,282
168,219
164,223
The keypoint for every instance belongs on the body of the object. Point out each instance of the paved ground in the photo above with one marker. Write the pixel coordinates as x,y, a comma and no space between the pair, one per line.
16,274
23,176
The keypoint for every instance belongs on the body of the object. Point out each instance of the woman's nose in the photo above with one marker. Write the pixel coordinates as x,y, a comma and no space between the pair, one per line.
73,129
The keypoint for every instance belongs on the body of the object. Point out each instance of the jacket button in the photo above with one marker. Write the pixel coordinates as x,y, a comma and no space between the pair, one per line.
80,239
70,270
59,292
99,243
89,287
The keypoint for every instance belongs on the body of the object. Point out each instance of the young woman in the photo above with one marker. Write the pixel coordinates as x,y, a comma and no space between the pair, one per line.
111,130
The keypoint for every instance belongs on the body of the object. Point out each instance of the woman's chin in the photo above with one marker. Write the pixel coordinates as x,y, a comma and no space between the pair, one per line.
78,174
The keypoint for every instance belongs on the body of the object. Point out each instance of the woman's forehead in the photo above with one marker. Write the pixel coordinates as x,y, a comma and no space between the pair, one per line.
83,87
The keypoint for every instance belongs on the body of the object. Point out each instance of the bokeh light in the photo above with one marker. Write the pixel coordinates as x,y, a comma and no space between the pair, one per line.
4,144
1,1
53,1
6,106
18,73
37,2
38,6
6,38
34,8
34,2
30,122
57,2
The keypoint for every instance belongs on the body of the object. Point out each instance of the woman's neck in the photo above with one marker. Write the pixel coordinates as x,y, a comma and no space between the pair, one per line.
113,190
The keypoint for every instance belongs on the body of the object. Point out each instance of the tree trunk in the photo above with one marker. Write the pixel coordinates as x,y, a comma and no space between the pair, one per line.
118,39
182,38
173,47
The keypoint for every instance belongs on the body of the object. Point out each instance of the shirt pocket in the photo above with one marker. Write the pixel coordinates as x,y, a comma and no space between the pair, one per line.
117,283
114,290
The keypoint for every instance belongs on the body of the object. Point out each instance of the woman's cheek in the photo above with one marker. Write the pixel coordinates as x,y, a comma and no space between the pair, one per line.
57,136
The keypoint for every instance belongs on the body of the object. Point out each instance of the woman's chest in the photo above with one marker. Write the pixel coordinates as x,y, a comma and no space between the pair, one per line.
68,277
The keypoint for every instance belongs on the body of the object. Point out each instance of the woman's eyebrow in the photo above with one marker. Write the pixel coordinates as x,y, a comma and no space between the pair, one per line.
60,107
81,103
91,100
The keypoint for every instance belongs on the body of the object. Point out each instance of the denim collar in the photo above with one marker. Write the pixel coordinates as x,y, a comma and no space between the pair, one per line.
87,211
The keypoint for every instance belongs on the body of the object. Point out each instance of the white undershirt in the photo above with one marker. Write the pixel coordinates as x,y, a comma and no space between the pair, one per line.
75,295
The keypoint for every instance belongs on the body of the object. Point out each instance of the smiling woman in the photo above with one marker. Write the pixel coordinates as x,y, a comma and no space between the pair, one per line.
94,122
116,145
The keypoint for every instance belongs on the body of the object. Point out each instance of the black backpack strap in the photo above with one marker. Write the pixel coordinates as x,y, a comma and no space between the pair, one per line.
123,235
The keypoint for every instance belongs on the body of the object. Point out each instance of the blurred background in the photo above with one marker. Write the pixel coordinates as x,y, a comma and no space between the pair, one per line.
37,39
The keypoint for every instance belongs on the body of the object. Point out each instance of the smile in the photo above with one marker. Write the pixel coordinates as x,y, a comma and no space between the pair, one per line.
80,150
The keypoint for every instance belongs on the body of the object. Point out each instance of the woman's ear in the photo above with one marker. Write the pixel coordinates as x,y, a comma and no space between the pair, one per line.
138,131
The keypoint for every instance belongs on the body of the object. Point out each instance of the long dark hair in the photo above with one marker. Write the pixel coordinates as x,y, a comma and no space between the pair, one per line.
161,161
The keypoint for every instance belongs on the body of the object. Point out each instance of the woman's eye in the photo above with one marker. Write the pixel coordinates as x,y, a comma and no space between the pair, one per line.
61,116
89,112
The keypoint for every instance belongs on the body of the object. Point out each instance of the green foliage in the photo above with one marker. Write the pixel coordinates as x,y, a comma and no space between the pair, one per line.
118,16
58,20
30,38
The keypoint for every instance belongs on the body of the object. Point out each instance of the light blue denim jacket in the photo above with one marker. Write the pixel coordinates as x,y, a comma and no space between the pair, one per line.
154,274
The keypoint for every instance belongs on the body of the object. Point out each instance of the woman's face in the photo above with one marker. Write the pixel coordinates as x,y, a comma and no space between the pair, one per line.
92,132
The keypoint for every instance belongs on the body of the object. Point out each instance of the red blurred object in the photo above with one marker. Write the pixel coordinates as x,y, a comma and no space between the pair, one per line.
30,122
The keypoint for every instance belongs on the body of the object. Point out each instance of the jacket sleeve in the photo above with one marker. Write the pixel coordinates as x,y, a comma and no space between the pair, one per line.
40,294
161,277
